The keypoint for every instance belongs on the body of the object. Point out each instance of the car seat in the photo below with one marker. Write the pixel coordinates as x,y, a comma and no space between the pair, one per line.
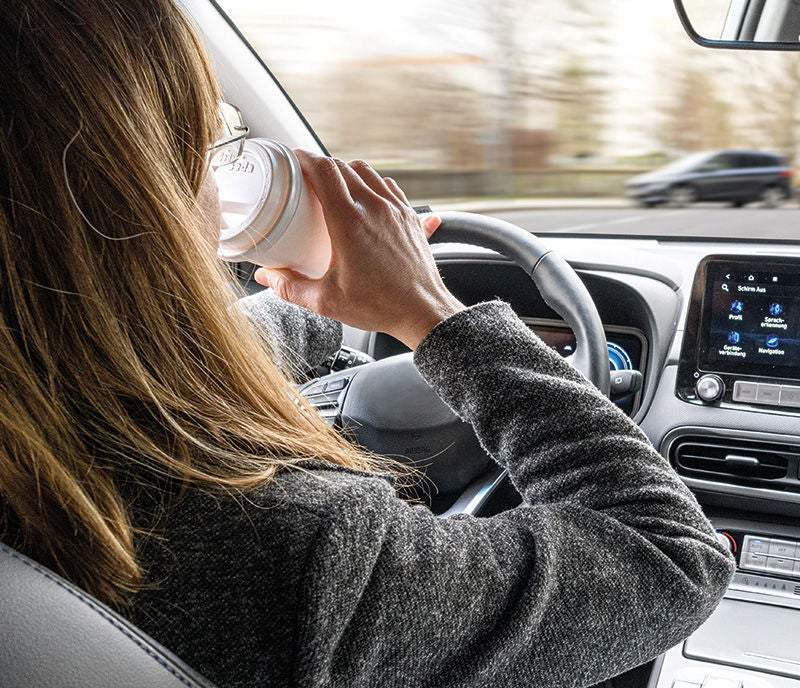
54,635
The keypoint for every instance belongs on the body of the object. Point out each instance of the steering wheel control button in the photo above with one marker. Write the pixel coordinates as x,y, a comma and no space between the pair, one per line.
768,394
336,385
745,391
710,388
325,396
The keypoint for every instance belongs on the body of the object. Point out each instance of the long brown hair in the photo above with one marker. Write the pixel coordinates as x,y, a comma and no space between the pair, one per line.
121,360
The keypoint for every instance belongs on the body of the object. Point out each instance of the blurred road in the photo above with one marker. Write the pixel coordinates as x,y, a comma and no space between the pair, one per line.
618,217
747,223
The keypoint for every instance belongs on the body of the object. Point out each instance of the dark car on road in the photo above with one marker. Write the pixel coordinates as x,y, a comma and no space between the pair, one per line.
733,176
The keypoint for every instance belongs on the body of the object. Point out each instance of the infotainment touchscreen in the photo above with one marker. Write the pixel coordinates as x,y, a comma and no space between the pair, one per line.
751,319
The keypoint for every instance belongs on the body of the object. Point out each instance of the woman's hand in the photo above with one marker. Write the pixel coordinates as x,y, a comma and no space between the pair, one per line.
382,275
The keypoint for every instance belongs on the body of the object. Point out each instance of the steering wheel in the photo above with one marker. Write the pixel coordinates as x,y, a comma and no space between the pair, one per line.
388,408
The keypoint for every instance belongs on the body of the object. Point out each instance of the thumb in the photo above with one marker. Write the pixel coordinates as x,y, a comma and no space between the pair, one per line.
289,285
430,223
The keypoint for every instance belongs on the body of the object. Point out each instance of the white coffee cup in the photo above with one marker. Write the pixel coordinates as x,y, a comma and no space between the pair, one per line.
270,216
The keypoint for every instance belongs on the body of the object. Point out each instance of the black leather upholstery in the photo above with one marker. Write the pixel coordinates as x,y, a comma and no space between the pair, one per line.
53,635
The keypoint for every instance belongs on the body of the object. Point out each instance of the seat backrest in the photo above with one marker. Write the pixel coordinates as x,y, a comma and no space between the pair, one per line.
53,634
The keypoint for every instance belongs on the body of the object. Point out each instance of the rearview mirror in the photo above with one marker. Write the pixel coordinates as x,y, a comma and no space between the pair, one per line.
743,24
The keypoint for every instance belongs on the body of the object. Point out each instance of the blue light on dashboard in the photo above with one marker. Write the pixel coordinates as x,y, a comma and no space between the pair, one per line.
618,358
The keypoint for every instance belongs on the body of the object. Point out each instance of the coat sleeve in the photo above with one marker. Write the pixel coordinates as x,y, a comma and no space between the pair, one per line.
608,562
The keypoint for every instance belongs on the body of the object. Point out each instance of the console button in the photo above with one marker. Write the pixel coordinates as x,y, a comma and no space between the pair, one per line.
782,548
780,565
721,682
755,544
790,396
768,394
745,391
797,569
754,562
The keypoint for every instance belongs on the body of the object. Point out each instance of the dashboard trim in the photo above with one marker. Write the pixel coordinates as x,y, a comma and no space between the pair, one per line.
462,253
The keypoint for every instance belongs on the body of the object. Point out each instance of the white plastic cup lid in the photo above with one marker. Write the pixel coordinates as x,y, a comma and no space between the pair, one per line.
259,194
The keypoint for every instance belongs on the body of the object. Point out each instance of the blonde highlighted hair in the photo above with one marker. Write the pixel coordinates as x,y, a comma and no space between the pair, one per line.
121,364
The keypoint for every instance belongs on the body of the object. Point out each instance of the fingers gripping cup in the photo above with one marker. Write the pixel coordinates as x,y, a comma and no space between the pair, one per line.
270,216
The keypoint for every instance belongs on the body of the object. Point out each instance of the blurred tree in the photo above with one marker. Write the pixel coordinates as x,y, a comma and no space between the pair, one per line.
696,118
523,92
407,110
774,102
531,148
577,96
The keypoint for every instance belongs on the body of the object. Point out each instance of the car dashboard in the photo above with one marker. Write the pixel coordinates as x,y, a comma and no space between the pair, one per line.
729,423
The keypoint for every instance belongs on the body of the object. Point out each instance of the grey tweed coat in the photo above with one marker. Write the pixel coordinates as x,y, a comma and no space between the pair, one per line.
325,578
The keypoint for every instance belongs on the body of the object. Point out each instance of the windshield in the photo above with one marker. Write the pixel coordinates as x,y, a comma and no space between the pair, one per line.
540,112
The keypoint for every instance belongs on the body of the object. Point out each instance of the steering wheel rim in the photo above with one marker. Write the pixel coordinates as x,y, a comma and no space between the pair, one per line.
557,282
387,407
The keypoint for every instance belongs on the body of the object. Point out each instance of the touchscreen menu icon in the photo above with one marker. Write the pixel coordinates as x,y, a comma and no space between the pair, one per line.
775,310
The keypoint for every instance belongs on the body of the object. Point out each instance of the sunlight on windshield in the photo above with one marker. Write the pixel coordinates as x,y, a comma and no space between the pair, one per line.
518,98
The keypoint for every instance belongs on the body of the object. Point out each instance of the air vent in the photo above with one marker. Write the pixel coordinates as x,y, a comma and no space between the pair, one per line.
738,462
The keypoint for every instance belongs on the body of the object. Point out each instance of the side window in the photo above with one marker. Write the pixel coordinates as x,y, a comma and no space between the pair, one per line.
747,160
728,161
708,165
723,161
766,161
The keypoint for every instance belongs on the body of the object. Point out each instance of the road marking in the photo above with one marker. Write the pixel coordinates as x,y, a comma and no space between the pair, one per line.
623,220
620,221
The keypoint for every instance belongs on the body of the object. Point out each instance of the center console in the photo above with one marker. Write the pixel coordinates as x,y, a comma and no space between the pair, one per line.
741,353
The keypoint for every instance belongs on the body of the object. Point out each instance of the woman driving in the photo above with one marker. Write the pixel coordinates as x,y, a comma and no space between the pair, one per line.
152,453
